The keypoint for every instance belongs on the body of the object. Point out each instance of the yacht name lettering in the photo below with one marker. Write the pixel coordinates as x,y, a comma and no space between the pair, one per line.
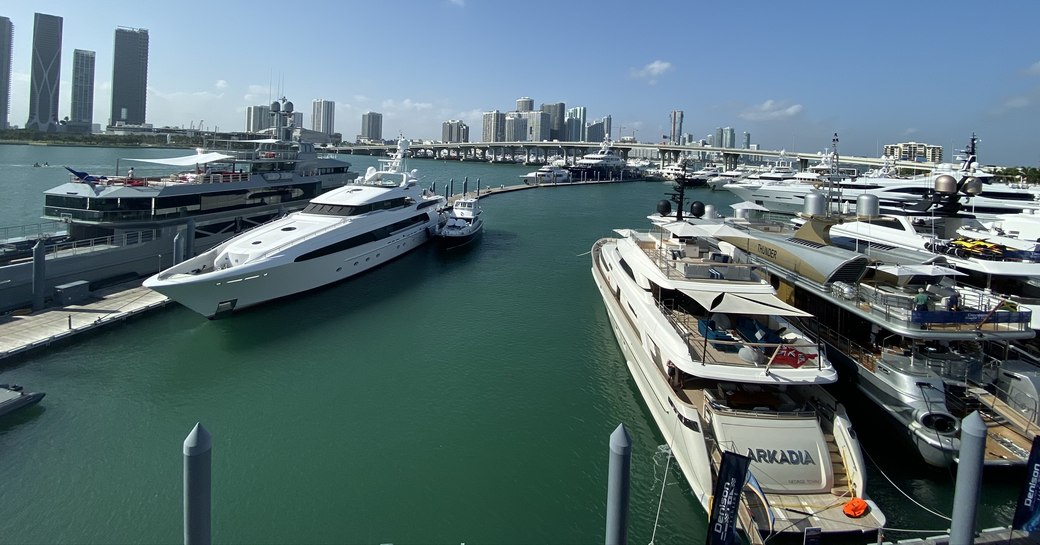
767,251
793,457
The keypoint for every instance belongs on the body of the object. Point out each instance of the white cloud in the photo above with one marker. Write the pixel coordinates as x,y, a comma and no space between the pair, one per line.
771,110
651,71
910,130
1015,103
221,84
406,105
459,3
1033,70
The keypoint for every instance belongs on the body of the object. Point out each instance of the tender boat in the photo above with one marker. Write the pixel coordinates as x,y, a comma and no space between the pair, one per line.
465,223
722,364
339,234
13,397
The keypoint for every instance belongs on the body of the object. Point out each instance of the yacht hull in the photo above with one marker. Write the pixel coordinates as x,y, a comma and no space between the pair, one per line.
216,295
688,446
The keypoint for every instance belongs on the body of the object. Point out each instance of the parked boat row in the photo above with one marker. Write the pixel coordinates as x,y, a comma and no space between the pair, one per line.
737,330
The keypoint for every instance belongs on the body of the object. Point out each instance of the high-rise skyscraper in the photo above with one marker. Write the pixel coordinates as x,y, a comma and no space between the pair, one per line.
574,124
129,76
454,130
494,127
372,126
258,118
538,126
515,127
297,119
598,130
82,117
747,140
524,104
675,136
323,116
557,115
46,73
718,139
6,41
729,137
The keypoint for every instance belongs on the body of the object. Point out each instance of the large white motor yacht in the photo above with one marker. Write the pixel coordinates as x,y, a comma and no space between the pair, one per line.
339,234
722,365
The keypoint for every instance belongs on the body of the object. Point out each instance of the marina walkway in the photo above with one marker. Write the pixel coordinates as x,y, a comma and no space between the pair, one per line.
20,334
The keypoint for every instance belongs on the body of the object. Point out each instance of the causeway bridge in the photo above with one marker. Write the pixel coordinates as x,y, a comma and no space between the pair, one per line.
668,153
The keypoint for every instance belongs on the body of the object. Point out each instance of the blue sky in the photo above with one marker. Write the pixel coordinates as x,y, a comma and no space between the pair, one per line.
790,73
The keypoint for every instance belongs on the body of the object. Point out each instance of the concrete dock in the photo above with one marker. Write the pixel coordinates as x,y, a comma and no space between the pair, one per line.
1006,536
21,334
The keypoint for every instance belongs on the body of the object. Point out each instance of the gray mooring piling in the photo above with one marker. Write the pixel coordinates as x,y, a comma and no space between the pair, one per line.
618,486
198,448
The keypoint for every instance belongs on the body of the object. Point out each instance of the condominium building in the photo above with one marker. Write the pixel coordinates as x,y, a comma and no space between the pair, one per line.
494,129
675,136
371,127
258,118
557,117
45,73
454,130
515,127
729,137
524,104
598,130
915,151
539,126
6,41
129,77
574,124
323,116
81,119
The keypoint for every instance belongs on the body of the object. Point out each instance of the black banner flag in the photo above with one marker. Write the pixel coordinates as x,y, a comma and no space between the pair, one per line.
1027,514
722,522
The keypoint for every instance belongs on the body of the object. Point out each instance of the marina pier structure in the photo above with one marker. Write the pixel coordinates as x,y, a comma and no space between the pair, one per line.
572,151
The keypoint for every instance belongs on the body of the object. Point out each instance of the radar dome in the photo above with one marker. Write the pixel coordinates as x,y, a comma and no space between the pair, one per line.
868,205
815,204
946,184
664,207
276,107
972,186
697,209
288,107
709,211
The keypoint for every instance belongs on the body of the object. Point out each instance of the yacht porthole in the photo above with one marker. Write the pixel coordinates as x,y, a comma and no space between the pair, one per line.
356,263
290,228
255,242
339,269
367,258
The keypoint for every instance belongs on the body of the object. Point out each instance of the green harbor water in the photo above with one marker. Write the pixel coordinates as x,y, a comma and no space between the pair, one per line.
444,398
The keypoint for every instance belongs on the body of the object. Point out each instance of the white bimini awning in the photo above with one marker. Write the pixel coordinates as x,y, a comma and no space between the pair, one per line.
187,160
743,303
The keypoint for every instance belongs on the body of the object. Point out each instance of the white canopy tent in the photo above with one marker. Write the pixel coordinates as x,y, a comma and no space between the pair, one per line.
743,303
915,270
187,160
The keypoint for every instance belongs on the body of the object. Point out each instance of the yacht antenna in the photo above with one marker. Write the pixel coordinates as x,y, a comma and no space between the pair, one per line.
832,176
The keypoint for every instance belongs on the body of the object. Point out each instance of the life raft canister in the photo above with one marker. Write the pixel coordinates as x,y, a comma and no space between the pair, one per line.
855,508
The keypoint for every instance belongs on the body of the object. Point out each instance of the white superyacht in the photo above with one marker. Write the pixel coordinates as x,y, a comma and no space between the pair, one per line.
339,234
722,366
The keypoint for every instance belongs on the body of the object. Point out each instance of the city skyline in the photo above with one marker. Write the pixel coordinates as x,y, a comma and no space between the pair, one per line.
749,69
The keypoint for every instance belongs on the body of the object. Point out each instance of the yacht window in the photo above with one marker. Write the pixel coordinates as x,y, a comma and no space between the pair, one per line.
627,269
888,223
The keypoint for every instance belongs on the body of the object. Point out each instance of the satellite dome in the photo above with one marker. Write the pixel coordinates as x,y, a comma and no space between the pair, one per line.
276,107
664,207
288,107
972,186
697,209
946,184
